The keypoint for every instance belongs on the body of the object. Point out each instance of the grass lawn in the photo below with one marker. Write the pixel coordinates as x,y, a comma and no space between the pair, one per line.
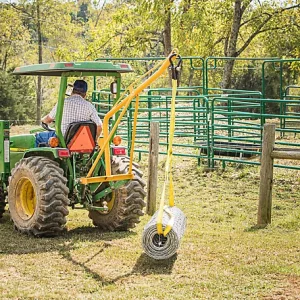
222,255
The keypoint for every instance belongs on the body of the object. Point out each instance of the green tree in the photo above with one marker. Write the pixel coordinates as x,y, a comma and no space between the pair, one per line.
53,35
249,20
13,37
16,98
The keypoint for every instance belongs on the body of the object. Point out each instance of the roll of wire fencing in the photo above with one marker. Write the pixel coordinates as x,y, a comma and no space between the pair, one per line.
161,247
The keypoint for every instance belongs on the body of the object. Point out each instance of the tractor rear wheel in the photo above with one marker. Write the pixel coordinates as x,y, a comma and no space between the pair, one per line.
38,197
125,205
2,200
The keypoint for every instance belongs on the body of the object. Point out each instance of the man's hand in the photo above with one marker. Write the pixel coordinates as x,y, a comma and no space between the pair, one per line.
99,130
47,119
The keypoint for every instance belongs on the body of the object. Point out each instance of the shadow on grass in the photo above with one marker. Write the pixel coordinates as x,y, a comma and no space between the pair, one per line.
91,233
65,252
143,266
14,242
146,265
255,228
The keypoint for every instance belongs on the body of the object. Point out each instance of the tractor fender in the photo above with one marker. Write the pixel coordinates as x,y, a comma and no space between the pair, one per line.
48,152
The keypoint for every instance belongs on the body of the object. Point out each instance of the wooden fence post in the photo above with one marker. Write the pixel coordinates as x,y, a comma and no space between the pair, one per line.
152,168
266,176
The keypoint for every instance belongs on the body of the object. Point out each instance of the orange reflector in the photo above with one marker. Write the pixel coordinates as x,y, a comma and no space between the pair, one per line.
117,140
83,141
53,142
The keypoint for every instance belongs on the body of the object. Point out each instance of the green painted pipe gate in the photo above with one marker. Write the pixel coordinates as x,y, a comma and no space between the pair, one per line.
213,125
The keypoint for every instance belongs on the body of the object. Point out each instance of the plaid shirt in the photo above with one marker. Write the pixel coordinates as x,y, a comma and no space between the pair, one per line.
76,109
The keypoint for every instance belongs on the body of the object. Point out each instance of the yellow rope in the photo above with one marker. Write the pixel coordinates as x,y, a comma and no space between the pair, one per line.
168,173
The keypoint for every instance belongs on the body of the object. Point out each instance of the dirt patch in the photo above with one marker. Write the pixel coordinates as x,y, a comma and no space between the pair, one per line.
290,290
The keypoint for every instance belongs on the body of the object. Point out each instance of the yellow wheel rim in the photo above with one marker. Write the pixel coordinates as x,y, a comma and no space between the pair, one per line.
26,198
110,204
110,200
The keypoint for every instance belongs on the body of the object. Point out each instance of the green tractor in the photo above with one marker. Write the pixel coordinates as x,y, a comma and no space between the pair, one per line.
40,183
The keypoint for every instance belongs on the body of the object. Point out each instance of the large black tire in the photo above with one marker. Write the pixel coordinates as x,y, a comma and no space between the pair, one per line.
38,197
2,201
128,201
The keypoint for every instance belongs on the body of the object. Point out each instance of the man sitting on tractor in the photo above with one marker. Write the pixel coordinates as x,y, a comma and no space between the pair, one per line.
76,109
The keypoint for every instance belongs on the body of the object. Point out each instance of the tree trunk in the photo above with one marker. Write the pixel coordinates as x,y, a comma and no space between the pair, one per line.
230,50
40,53
168,36
228,67
191,77
4,61
167,33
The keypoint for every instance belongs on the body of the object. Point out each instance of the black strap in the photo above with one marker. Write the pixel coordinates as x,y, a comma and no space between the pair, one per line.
175,69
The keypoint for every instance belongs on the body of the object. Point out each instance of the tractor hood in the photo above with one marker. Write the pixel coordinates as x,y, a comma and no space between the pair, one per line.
58,68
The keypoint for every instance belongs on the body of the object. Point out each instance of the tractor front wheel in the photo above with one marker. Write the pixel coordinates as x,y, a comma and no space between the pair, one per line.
125,205
38,197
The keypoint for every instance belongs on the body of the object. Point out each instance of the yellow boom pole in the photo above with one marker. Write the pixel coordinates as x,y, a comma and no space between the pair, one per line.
107,136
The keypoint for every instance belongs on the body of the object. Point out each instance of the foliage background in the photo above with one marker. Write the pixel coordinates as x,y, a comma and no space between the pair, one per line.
35,31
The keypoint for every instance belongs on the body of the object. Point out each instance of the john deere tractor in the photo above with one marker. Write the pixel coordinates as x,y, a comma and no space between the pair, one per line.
40,183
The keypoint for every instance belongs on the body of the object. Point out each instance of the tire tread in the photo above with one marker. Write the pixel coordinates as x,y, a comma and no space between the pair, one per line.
130,202
53,197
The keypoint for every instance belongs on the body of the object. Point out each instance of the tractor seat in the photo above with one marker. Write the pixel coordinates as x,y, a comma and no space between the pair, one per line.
80,136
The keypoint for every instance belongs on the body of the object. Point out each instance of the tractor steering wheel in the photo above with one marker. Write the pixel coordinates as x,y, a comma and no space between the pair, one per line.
46,127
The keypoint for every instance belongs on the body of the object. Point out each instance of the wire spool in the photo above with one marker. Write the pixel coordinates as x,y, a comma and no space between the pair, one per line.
159,246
